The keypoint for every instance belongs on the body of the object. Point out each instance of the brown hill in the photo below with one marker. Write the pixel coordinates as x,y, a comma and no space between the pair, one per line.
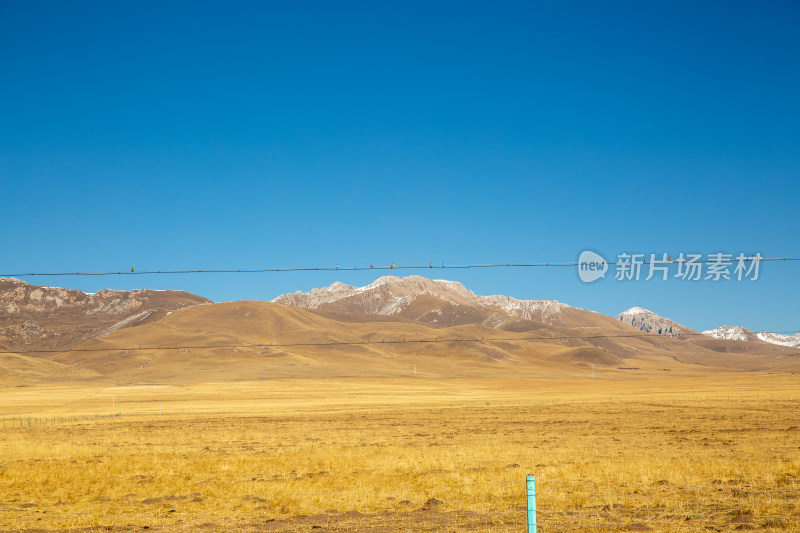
238,340
251,340
50,318
21,370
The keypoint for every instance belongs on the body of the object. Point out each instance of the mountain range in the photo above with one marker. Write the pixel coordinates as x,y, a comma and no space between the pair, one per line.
449,303
384,329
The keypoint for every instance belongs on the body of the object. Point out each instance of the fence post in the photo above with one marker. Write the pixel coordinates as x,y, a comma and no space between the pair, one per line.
531,486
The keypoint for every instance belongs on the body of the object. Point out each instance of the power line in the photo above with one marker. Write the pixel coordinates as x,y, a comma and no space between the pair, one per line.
429,266
372,342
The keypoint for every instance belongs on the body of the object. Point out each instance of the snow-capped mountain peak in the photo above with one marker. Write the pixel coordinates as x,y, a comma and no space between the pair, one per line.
734,333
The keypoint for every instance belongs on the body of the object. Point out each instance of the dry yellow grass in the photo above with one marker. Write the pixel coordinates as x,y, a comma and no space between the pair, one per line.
679,453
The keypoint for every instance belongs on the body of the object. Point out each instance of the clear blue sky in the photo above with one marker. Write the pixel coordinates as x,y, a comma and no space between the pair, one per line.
168,135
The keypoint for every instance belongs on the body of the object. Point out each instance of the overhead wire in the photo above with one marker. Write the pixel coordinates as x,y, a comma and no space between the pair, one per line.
337,267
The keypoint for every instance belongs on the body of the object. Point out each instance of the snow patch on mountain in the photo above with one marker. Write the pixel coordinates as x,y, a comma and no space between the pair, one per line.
792,341
733,333
738,333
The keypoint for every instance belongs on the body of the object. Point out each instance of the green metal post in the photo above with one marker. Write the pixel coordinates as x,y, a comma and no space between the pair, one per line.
531,483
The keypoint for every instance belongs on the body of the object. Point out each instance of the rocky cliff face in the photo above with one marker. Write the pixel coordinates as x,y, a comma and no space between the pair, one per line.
51,318
650,322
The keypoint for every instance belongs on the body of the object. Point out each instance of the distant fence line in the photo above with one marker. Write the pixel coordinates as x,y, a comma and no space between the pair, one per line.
34,421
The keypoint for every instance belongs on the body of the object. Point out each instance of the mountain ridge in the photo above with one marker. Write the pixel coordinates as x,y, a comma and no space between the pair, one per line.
433,301
34,317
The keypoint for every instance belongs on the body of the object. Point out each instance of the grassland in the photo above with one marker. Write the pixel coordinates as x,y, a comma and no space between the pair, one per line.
404,454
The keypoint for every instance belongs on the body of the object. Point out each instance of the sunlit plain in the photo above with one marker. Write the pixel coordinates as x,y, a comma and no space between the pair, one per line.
246,455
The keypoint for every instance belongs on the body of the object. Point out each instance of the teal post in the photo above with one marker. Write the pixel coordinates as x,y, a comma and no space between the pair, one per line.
531,482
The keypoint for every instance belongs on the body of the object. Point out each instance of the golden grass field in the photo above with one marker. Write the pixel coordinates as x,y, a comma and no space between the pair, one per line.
663,454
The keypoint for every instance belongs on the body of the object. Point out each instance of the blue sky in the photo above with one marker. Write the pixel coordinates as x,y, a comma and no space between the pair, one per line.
170,135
